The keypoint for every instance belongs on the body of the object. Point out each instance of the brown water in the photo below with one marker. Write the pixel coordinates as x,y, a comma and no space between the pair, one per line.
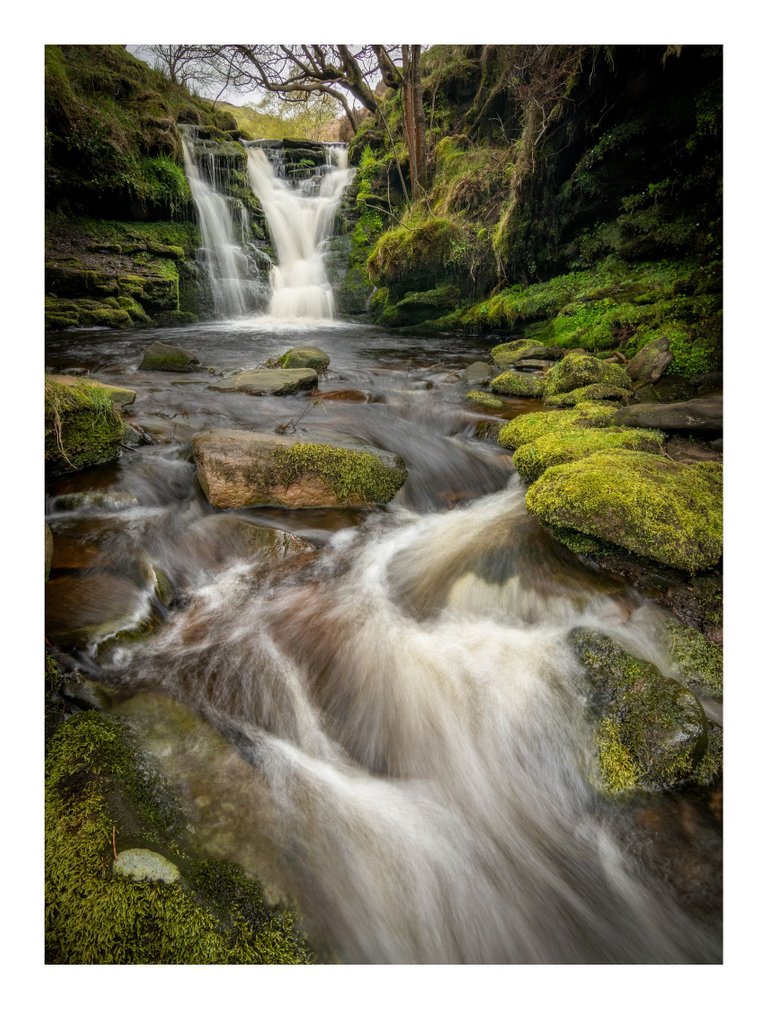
381,719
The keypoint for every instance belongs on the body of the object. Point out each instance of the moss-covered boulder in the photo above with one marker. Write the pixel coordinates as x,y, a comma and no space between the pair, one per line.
119,395
578,370
647,504
600,391
82,427
478,398
102,797
268,381
533,458
241,469
695,659
305,357
652,731
513,348
517,384
160,357
527,427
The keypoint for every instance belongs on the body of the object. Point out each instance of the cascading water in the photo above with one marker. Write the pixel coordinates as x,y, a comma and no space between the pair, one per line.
235,292
300,218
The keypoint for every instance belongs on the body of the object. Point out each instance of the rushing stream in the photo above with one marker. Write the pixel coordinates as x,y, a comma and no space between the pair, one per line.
382,720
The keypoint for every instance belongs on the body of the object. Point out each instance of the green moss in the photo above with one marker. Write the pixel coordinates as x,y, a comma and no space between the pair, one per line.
649,505
517,384
533,458
575,371
652,731
348,473
696,660
82,427
595,391
481,399
509,352
526,428
96,782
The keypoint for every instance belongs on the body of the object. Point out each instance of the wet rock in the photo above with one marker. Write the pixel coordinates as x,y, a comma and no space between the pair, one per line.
305,357
94,501
144,864
268,381
160,357
704,413
90,608
652,732
240,469
219,540
649,505
82,427
477,373
119,395
650,363
517,384
578,370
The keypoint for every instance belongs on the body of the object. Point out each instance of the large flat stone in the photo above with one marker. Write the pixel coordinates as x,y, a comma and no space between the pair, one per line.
241,469
705,413
266,381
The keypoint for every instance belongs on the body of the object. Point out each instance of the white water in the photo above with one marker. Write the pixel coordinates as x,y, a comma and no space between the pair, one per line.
225,259
299,220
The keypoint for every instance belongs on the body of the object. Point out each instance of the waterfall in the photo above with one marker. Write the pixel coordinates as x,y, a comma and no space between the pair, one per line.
223,224
300,218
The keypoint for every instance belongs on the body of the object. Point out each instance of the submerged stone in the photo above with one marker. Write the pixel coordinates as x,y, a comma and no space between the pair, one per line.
268,381
647,504
305,357
241,469
160,357
533,458
144,864
218,540
84,609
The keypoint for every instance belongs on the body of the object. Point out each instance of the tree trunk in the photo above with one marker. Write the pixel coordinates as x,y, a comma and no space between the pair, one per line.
414,120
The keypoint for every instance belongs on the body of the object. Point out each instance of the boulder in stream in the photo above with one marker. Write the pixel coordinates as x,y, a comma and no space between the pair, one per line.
578,370
513,383
647,504
242,469
160,357
268,381
305,357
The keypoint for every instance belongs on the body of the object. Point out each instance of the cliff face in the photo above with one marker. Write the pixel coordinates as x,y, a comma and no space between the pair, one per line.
120,232
599,164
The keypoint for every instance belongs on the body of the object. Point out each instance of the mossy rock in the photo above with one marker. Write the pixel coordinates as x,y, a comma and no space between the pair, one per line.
533,458
600,391
160,357
268,381
575,371
526,428
98,783
304,357
82,427
119,395
480,399
647,504
242,469
697,661
520,347
652,731
517,384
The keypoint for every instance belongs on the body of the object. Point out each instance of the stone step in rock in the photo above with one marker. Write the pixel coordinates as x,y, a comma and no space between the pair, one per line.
268,381
242,469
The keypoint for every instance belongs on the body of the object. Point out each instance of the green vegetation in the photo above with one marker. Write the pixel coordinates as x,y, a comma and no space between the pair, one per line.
526,428
97,782
647,504
82,427
533,458
652,732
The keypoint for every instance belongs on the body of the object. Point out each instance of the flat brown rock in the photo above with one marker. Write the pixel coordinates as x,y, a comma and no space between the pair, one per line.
268,381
